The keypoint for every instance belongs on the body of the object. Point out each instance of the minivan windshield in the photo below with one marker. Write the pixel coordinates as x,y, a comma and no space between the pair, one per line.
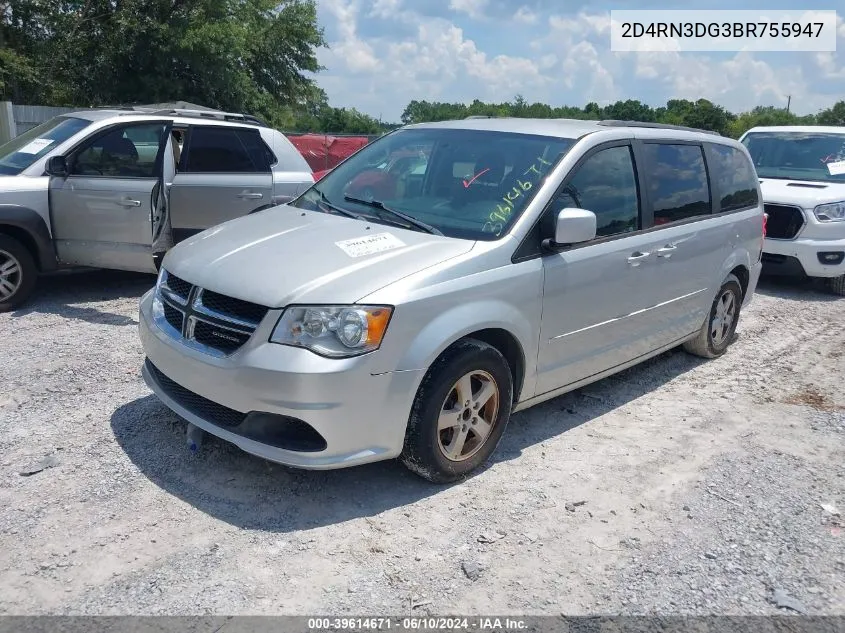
809,155
470,184
23,150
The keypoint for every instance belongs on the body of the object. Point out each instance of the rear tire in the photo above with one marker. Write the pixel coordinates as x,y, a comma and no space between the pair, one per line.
460,412
18,273
717,333
836,285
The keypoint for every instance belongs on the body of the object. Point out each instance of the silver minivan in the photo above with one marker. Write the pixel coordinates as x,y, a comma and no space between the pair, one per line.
526,258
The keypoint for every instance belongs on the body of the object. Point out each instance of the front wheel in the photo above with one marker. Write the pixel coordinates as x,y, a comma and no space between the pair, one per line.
836,285
718,330
460,413
18,273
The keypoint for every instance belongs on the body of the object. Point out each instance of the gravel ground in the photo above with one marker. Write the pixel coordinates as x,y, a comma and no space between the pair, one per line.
679,486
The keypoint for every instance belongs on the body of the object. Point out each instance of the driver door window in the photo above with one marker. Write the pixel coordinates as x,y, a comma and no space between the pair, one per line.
125,152
605,184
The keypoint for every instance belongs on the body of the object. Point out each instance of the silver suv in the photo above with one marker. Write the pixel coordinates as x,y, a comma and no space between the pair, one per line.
117,188
525,259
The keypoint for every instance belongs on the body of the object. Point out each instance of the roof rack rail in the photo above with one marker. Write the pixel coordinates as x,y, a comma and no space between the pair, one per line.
189,112
211,114
480,116
659,126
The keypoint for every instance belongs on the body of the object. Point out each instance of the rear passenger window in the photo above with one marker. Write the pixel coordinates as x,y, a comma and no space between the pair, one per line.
232,150
736,177
605,184
678,181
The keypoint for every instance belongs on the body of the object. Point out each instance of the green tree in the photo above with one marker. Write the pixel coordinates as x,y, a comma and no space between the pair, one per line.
701,114
832,116
630,110
766,115
241,55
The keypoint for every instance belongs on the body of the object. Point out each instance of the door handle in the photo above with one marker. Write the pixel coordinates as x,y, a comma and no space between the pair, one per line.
129,202
250,196
637,258
666,251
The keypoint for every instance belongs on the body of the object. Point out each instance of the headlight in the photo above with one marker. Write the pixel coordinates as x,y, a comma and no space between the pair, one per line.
334,331
833,212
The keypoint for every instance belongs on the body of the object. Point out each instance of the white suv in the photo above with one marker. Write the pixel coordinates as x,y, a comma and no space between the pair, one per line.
802,177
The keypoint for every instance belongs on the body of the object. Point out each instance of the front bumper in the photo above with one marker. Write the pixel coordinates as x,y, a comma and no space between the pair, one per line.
361,416
800,257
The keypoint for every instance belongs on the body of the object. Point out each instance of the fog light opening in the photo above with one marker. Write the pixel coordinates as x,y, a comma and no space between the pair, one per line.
283,432
831,258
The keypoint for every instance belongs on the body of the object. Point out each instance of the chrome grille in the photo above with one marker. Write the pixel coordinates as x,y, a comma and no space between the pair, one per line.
173,316
243,310
206,320
179,287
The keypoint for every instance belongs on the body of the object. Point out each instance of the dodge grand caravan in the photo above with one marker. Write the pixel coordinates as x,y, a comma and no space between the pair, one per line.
527,258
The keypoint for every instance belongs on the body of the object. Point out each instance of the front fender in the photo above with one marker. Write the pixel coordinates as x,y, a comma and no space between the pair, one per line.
460,321
27,221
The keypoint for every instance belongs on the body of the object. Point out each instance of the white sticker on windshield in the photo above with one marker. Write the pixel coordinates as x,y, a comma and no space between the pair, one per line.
36,146
837,168
361,246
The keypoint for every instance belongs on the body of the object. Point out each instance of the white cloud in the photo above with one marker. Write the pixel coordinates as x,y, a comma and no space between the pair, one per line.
738,83
385,8
356,55
525,16
567,61
473,8
830,67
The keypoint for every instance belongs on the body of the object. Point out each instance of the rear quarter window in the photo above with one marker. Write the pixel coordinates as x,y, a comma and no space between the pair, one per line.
735,178
678,184
226,150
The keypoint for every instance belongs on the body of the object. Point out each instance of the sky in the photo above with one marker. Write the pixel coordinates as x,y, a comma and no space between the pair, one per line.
384,53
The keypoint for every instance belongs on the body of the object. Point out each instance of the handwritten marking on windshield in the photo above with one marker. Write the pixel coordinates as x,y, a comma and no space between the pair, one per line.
502,213
474,178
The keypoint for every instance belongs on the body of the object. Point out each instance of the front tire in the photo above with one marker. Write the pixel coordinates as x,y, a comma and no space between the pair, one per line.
718,330
18,273
460,412
836,285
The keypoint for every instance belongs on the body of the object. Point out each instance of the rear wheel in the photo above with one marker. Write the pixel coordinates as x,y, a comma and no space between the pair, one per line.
17,273
836,285
718,330
460,413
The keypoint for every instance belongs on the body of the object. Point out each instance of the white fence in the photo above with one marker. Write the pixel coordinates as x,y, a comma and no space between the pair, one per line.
17,119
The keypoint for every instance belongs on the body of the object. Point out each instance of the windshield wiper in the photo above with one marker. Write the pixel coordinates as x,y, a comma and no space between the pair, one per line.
336,208
378,204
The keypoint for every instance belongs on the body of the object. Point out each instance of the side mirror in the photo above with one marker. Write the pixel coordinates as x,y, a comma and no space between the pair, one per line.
57,166
574,226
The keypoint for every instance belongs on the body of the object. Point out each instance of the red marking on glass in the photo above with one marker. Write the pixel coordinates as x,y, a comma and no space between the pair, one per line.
474,178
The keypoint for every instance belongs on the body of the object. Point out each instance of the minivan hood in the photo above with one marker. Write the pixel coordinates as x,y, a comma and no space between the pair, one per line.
286,255
803,193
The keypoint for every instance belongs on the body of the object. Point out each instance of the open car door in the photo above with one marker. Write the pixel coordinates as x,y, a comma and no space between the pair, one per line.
102,208
223,173
162,229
